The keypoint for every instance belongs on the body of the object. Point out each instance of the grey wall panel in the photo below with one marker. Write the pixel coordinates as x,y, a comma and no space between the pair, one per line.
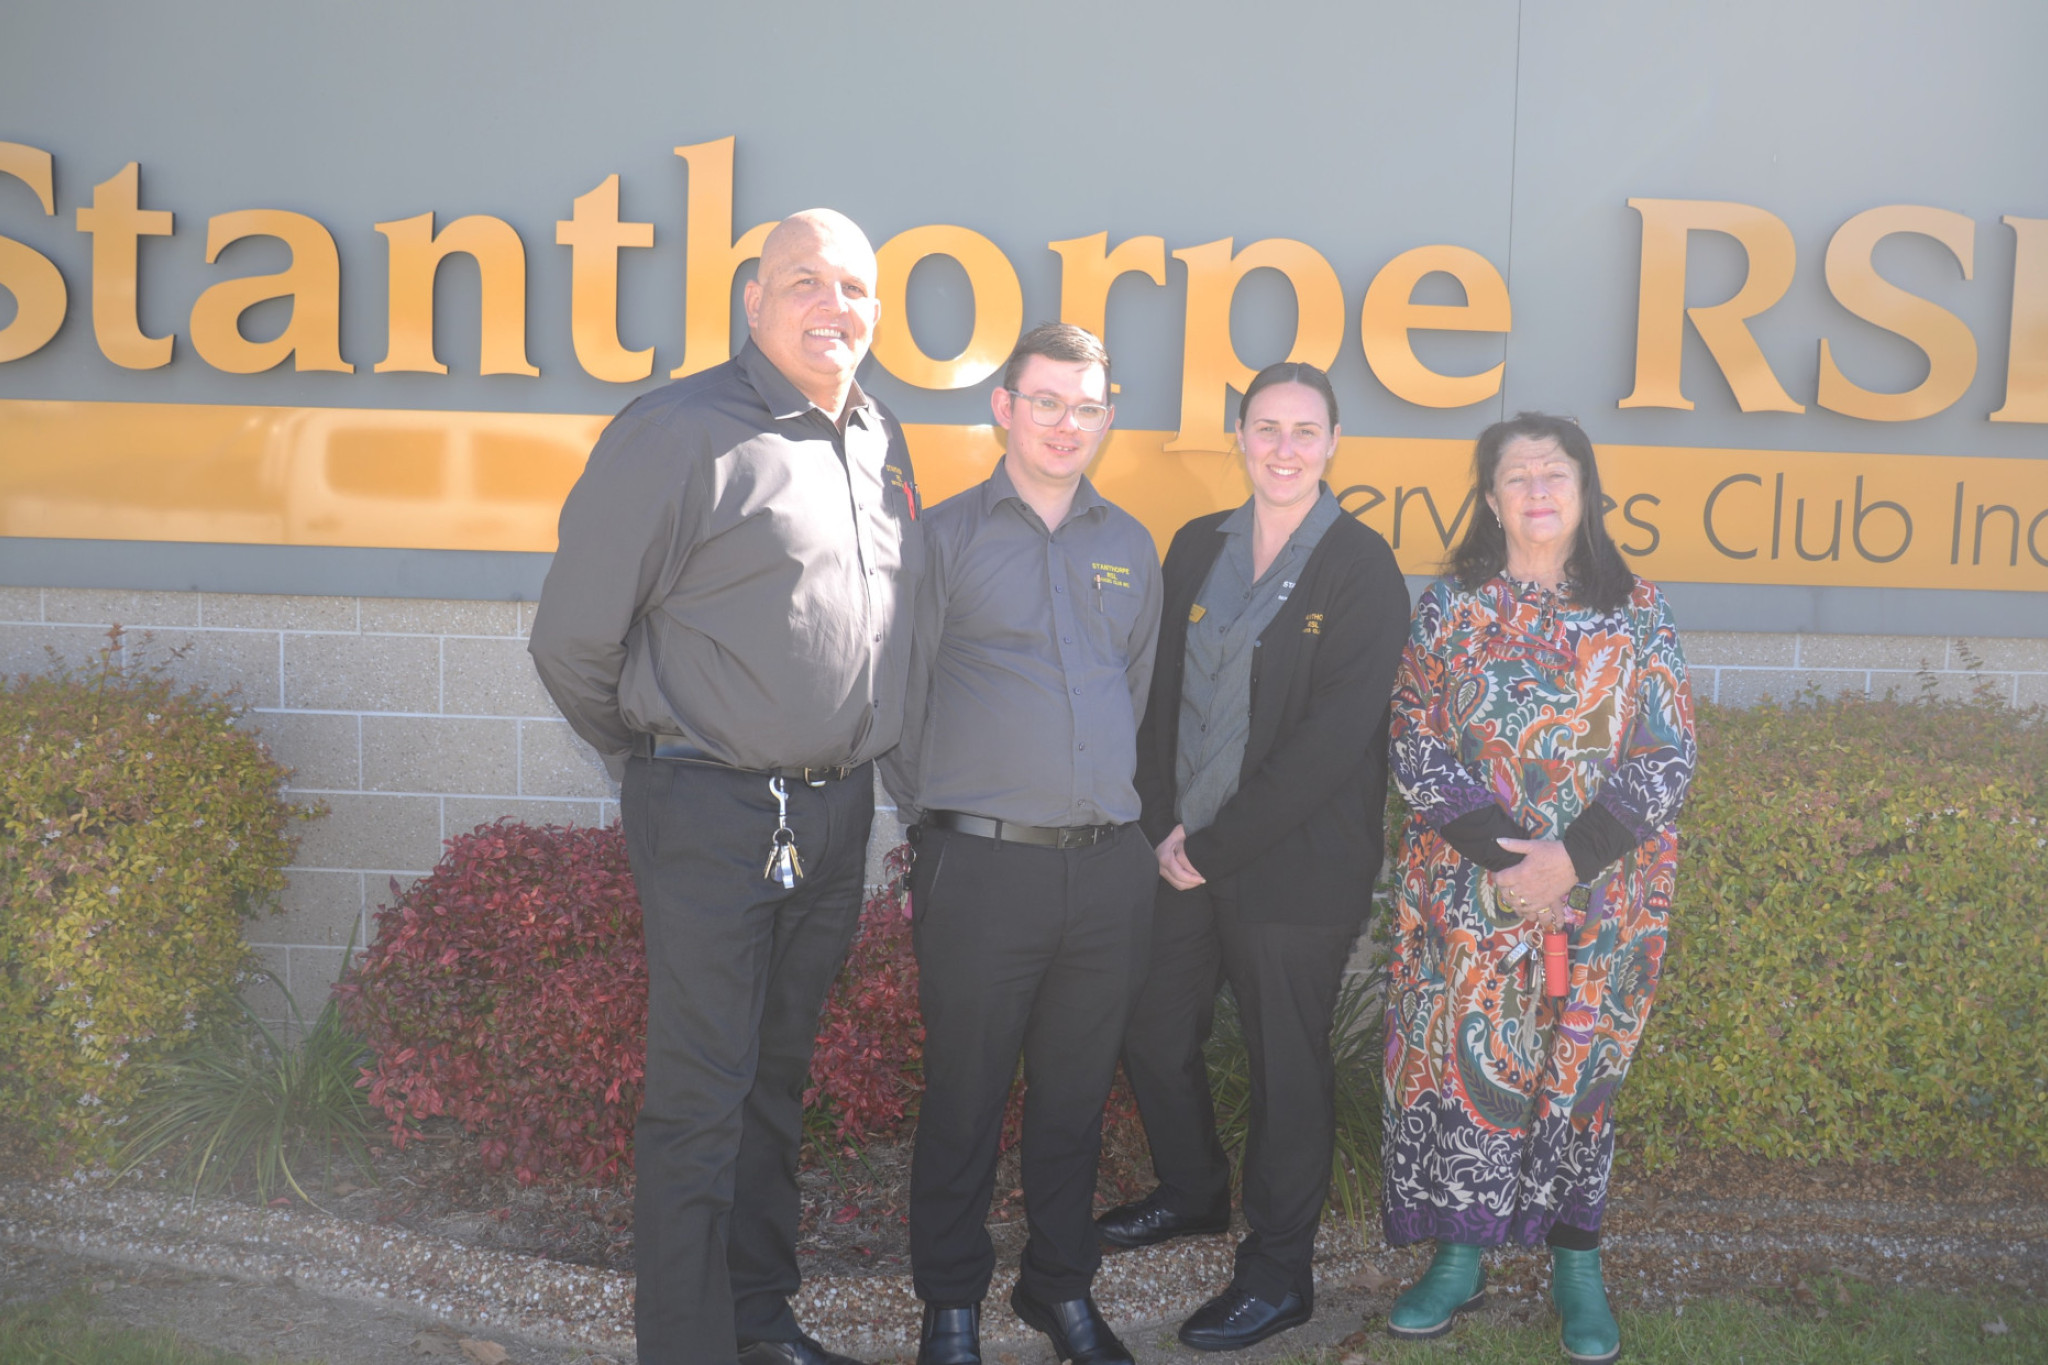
1518,130
1814,112
305,570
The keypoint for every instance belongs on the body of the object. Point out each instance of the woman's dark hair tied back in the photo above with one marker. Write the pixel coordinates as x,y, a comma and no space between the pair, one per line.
1599,578
1289,372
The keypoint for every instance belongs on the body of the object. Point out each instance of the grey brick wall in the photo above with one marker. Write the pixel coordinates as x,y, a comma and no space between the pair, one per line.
415,721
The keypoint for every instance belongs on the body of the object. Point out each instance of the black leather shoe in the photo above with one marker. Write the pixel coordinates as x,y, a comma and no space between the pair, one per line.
1149,1222
1238,1318
950,1336
1076,1328
800,1350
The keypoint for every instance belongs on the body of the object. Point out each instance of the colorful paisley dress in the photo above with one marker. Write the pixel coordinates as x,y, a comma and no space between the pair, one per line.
1497,1101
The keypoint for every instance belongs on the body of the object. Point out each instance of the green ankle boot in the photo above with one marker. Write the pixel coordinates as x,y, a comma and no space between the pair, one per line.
1454,1282
1590,1334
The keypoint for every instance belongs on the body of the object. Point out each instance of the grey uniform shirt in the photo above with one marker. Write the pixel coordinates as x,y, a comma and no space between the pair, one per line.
737,573
1032,659
1216,684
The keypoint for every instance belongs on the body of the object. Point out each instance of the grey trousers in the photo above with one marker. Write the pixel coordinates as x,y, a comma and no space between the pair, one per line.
737,971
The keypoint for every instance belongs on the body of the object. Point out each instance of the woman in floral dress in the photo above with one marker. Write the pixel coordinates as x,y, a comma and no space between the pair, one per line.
1542,734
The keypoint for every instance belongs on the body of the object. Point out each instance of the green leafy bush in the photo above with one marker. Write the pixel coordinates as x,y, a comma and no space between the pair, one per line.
1858,965
139,827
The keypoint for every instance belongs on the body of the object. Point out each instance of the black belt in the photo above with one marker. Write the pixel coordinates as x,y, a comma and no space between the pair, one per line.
1045,836
676,751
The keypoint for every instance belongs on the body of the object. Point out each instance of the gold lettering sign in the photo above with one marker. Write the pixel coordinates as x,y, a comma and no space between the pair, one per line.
1942,336
2026,372
37,286
998,307
1210,365
495,481
1389,315
1661,313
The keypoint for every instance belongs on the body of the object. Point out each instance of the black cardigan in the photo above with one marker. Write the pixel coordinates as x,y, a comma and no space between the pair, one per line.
1302,836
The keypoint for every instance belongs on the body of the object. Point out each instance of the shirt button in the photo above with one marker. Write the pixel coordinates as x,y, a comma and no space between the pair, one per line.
1083,747
1066,639
878,637
1057,588
1077,691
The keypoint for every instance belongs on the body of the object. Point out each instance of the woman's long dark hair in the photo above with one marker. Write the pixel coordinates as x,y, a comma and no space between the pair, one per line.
1598,578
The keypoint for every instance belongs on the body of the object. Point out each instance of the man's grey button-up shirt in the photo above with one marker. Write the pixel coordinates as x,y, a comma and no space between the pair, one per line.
1032,658
737,572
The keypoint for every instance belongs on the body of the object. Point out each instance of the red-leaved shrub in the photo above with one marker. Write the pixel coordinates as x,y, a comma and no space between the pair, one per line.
508,990
868,1069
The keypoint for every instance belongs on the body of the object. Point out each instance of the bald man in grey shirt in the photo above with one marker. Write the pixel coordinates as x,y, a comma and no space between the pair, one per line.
1033,888
727,623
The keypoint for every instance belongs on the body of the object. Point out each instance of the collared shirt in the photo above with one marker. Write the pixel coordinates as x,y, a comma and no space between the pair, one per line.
1032,658
1223,629
737,572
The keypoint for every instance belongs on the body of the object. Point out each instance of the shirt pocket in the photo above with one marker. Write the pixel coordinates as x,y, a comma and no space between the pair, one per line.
1112,598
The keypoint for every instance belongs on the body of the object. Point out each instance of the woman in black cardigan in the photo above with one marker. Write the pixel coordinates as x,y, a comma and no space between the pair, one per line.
1262,768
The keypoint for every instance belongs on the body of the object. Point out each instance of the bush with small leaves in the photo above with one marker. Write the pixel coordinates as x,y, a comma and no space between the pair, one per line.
140,826
1858,965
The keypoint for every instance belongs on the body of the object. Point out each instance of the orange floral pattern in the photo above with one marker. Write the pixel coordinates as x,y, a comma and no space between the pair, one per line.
1498,1121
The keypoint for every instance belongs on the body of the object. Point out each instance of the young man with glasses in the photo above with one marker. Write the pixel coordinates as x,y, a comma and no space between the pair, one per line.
1032,892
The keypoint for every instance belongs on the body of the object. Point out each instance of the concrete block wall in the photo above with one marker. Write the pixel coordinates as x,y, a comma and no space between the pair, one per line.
412,721
1737,669
415,721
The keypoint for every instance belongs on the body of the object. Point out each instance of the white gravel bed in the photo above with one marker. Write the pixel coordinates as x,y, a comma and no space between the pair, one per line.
444,1281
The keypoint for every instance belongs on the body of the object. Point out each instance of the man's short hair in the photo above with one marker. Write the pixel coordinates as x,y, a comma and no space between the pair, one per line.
1058,341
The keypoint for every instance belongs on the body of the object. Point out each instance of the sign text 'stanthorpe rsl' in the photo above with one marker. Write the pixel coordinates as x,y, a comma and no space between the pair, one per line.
477,480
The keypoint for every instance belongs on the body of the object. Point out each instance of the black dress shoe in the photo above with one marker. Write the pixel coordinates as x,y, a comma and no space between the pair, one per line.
1149,1222
950,1336
799,1350
1238,1318
1075,1326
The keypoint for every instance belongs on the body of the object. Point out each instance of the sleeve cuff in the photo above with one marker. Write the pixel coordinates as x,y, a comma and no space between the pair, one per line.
1595,840
1473,835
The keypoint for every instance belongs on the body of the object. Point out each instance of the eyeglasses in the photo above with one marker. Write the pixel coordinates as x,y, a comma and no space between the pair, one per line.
1047,410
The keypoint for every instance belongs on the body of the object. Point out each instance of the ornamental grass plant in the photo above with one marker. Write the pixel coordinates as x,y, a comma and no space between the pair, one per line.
141,826
246,1106
1357,1030
1858,965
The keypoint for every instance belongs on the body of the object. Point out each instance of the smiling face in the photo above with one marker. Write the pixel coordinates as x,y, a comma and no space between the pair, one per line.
811,305
1055,456
1288,439
1537,496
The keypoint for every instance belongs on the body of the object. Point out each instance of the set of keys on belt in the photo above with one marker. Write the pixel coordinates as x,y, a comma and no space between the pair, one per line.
785,864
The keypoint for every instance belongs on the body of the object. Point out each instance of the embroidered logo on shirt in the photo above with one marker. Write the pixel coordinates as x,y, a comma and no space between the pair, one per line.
1312,624
1286,586
1112,575
896,480
1196,613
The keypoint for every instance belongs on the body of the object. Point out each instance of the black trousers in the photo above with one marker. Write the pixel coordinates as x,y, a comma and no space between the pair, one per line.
737,971
1028,950
1285,978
